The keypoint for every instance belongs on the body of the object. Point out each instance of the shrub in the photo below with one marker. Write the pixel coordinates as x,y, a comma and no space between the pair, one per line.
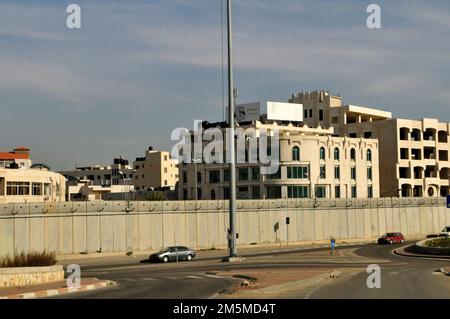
441,242
31,259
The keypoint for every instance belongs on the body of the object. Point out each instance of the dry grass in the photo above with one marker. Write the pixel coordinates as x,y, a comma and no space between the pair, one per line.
32,259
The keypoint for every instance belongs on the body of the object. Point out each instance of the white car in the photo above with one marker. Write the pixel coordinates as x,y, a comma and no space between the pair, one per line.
445,231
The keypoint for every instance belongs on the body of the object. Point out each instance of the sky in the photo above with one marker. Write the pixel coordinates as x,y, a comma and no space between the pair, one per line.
136,70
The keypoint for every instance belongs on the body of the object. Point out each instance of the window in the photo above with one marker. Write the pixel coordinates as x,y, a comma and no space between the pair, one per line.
353,173
337,191
36,189
165,182
337,154
354,192
310,112
298,191
320,115
273,192
353,154
226,175
276,175
213,194
226,193
321,191
367,134
184,193
165,169
17,188
337,172
199,177
369,173
214,177
305,114
256,193
243,174
165,157
255,173
322,153
199,193
185,179
370,191
296,153
369,155
298,172
334,120
242,192
323,173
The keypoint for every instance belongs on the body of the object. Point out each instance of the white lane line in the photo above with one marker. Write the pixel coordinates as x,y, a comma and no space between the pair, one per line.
173,278
149,279
194,277
213,276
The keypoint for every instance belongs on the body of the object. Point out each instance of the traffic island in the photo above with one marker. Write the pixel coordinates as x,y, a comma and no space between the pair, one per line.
428,248
53,289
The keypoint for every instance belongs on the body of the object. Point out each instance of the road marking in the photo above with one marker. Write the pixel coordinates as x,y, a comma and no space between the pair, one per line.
214,276
130,279
149,279
173,278
394,273
194,277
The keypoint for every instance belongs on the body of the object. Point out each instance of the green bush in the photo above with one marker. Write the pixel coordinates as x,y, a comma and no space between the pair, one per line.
441,242
31,259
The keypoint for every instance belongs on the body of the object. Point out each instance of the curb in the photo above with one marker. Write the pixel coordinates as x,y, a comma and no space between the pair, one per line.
403,253
447,273
60,291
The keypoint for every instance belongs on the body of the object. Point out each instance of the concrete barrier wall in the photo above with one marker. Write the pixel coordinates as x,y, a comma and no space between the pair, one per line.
113,226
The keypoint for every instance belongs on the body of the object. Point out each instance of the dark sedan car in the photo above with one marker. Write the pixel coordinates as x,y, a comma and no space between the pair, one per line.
174,253
391,238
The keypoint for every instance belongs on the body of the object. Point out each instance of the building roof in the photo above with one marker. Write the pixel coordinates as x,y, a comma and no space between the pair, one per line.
21,148
12,156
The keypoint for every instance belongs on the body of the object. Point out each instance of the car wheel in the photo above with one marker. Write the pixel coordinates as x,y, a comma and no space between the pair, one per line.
165,259
188,257
391,242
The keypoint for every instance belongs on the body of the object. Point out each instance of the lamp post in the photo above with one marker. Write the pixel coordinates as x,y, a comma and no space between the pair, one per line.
231,143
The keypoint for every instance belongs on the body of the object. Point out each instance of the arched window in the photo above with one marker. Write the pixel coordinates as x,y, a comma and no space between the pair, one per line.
322,153
369,155
353,154
295,153
336,154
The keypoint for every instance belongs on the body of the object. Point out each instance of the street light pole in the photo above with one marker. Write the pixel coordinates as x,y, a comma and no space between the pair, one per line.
232,232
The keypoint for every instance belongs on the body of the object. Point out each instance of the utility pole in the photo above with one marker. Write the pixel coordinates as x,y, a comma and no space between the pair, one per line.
232,231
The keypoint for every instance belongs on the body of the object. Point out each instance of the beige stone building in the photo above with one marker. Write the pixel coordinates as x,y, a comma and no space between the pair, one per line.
31,185
157,170
414,154
20,157
313,164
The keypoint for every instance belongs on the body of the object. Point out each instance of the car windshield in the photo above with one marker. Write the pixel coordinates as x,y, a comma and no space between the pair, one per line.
387,235
165,249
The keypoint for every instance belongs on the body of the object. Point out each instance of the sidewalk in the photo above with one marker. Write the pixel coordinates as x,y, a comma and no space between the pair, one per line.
52,289
403,251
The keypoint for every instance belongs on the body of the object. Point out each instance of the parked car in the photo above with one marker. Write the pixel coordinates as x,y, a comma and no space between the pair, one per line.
174,253
391,238
445,232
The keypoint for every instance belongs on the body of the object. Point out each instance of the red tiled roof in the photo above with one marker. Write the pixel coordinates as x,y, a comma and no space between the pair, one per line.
11,156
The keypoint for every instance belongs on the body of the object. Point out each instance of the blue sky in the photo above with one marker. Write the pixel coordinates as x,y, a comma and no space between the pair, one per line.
138,69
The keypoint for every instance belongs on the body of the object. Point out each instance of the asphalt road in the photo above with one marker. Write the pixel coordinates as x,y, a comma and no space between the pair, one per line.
413,278
401,277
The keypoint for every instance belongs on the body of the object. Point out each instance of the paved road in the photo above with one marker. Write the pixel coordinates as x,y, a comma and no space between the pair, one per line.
414,279
401,277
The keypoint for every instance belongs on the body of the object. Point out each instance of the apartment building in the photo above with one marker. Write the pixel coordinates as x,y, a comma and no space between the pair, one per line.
31,186
118,173
313,164
414,160
17,158
156,170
